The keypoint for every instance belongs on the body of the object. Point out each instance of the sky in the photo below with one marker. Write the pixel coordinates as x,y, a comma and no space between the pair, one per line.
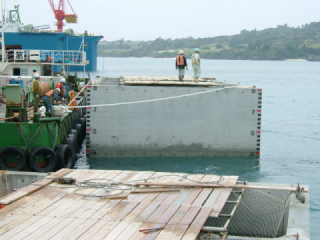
150,19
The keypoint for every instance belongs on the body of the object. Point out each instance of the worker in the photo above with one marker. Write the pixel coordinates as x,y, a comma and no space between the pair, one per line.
61,86
34,71
36,91
62,72
47,99
181,64
196,64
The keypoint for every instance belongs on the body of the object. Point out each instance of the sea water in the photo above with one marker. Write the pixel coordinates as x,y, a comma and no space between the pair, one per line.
290,139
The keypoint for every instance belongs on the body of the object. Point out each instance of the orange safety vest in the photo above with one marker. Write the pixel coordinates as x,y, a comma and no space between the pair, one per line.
180,60
63,89
49,94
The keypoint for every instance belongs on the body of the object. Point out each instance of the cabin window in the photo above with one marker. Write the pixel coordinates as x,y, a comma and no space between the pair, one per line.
16,72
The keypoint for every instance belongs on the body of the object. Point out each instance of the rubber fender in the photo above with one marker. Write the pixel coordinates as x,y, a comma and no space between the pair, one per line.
76,135
74,143
79,129
15,152
65,156
84,124
44,153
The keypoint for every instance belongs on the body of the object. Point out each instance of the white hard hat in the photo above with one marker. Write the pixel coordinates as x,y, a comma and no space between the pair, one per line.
58,89
36,75
181,52
62,80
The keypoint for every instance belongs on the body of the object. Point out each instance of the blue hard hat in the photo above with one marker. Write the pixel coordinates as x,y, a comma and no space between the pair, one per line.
196,50
34,69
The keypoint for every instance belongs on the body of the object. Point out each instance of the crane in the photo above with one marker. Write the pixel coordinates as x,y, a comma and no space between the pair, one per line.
59,14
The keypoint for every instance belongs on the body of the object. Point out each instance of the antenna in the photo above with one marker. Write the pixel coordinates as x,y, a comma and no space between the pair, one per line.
3,10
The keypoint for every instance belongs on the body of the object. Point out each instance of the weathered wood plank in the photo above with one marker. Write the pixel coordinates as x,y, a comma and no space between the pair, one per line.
167,215
143,216
223,197
82,228
190,215
114,233
177,217
202,197
178,232
197,224
129,231
20,225
166,232
104,230
30,228
140,235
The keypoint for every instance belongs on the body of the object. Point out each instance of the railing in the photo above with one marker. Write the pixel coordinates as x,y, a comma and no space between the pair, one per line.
46,56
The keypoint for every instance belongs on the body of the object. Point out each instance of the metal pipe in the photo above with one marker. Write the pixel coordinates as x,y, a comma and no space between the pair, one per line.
213,229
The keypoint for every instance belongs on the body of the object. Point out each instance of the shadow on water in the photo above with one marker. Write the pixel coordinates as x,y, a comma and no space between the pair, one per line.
247,168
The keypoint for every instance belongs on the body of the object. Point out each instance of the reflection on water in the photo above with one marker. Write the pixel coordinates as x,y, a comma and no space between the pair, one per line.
247,168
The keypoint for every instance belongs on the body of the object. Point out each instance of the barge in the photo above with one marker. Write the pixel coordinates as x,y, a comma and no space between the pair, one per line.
116,204
142,116
28,141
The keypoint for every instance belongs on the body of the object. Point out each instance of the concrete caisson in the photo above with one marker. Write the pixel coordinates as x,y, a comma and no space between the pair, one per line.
212,119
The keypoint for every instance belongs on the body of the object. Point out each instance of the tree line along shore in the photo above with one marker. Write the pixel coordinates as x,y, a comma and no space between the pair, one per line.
280,43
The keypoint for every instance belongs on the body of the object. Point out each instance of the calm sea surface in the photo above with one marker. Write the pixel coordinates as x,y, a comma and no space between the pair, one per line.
290,139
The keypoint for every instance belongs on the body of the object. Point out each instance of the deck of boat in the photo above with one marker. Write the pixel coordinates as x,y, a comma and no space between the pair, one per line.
48,210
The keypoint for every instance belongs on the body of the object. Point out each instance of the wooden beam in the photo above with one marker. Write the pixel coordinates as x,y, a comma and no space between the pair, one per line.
194,185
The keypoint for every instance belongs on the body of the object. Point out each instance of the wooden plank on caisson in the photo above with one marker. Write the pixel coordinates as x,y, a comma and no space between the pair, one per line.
82,228
197,224
179,214
103,231
23,232
223,197
129,231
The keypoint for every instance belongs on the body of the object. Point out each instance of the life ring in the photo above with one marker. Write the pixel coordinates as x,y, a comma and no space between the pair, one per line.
65,156
43,159
12,158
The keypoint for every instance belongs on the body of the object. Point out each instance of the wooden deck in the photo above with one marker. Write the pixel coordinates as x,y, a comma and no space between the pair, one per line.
47,210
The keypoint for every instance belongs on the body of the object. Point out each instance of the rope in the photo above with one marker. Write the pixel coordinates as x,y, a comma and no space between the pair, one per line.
55,138
144,101
32,138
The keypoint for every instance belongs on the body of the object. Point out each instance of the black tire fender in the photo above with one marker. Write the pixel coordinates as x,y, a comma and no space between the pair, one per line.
14,151
65,156
79,129
84,124
76,135
47,153
74,142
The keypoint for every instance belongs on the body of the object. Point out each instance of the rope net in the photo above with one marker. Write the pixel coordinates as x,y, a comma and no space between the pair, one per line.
258,214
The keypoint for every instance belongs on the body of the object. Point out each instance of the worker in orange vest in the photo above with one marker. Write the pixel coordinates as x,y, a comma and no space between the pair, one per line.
47,99
181,64
61,86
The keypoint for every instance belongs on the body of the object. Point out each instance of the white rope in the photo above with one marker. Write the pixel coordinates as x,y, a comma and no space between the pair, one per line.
144,101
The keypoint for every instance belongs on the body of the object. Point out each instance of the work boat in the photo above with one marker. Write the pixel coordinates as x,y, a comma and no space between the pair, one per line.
29,141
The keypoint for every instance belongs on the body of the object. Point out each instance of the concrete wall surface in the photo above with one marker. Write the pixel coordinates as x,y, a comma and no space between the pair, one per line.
219,121
14,180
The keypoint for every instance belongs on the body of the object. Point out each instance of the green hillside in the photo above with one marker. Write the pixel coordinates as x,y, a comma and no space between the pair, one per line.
279,43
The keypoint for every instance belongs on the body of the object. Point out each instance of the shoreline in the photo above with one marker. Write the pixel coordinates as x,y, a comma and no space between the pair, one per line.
284,60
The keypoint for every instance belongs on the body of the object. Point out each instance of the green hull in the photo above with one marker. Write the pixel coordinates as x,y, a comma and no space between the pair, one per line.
47,132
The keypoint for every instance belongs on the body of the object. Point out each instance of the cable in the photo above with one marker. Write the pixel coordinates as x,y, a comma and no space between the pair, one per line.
144,101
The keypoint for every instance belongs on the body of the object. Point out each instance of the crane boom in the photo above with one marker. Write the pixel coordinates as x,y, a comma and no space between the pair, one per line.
60,15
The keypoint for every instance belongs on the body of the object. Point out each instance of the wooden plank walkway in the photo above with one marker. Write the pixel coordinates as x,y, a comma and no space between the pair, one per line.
47,210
